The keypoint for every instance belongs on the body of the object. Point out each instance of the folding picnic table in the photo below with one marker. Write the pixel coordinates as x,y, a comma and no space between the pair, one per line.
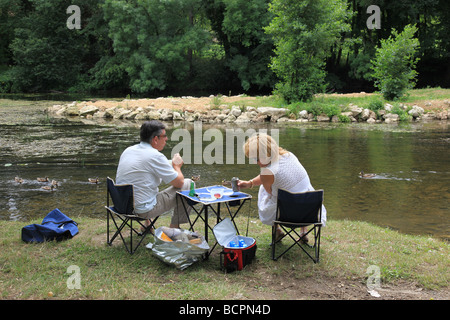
208,202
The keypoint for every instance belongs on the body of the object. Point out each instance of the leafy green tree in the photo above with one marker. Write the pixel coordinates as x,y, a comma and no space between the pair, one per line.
303,32
248,47
47,55
395,62
213,45
45,52
155,40
104,71
432,19
11,12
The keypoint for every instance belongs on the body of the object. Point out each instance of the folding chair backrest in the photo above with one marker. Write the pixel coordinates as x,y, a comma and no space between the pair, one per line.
304,207
121,196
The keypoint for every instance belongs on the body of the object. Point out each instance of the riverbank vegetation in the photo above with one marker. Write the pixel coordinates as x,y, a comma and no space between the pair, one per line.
430,99
371,108
411,267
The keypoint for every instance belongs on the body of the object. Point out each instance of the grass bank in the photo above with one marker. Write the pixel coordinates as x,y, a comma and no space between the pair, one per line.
430,99
40,271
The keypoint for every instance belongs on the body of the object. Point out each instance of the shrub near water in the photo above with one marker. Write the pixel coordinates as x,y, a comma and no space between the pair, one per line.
394,63
402,114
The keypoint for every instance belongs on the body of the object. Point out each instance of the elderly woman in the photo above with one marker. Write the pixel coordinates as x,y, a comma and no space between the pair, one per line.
279,169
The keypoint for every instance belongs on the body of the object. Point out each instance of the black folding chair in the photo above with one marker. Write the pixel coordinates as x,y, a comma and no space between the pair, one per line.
122,212
296,210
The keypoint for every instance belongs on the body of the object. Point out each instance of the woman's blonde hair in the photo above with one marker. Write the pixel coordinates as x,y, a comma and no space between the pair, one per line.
263,147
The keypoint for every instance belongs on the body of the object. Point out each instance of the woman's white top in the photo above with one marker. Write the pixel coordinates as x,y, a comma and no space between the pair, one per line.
290,175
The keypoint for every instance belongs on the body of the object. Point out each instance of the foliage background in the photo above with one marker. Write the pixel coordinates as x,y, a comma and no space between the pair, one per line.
196,47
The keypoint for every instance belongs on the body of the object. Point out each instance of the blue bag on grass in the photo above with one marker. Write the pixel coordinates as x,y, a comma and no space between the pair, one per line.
55,226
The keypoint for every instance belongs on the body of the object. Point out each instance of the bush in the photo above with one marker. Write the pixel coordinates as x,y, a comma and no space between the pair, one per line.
317,109
375,105
394,63
402,114
331,110
343,118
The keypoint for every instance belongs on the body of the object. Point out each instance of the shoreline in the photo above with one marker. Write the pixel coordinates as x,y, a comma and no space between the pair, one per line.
241,109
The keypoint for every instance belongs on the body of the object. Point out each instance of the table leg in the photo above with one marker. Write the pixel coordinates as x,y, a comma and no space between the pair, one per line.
206,223
218,213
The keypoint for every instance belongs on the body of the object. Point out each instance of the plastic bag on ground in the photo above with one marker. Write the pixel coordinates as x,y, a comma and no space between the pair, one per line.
178,247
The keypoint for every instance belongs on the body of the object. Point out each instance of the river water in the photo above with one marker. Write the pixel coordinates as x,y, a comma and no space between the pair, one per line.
409,193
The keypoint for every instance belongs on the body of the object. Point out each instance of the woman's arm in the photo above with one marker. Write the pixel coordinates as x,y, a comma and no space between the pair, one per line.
267,179
263,179
245,184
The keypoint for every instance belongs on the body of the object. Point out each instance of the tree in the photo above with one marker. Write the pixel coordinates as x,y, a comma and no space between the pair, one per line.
303,33
47,55
395,62
212,45
431,18
155,40
11,12
249,47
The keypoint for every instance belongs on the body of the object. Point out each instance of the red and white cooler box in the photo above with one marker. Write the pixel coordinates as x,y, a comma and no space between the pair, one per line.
233,258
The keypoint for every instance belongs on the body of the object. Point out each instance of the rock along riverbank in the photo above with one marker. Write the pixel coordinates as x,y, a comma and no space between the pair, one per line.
210,110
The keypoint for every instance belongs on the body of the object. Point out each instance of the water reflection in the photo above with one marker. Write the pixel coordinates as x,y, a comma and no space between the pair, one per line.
409,192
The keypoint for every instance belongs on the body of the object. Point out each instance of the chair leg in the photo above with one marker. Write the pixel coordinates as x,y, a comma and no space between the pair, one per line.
107,226
132,251
110,216
274,230
143,235
118,229
131,236
127,222
316,245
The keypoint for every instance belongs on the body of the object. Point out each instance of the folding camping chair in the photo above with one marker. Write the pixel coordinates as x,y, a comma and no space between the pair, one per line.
296,210
122,212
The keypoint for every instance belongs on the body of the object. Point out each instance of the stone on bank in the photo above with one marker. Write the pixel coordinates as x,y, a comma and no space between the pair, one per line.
237,114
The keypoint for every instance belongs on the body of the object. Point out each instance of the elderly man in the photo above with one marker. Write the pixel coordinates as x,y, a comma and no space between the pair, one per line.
145,167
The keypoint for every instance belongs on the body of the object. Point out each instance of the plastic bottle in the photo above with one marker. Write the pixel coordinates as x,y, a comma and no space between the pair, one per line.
192,191
242,244
232,244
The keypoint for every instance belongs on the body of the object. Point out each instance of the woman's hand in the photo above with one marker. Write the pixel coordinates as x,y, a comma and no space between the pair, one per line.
242,184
